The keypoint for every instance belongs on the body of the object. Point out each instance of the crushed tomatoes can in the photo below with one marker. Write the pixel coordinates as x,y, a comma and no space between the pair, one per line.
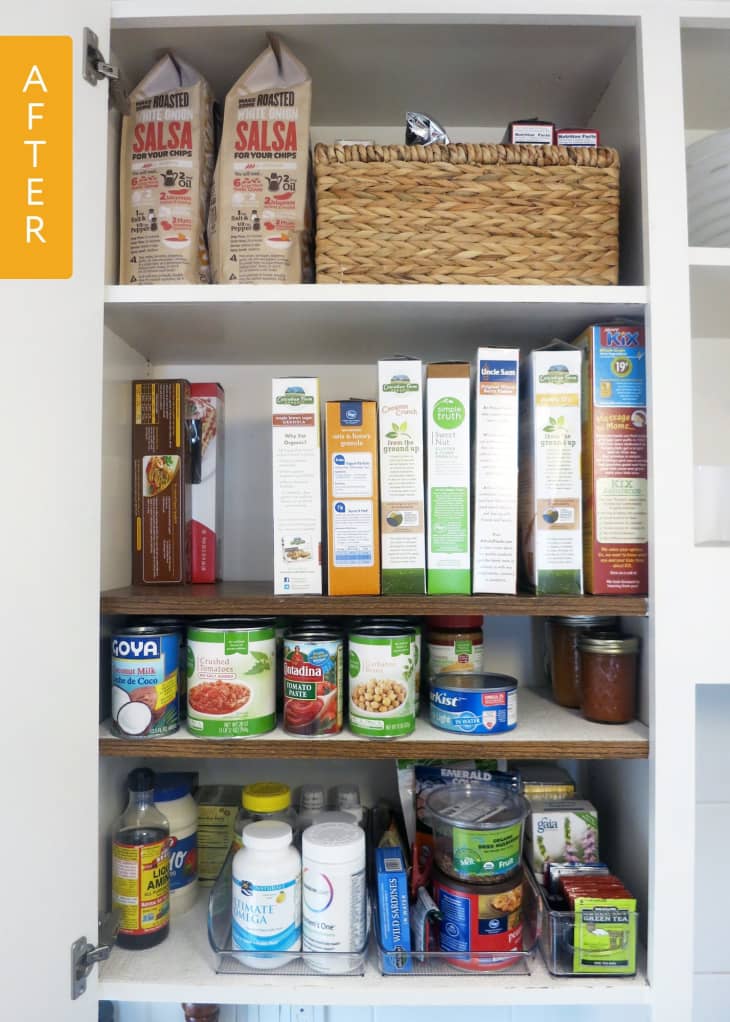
313,682
482,923
144,675
232,677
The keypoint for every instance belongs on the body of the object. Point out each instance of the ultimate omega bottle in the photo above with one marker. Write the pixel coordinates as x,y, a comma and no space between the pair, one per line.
140,867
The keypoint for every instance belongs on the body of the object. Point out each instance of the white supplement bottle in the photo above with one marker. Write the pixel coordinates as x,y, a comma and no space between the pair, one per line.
334,903
267,897
173,798
311,802
347,799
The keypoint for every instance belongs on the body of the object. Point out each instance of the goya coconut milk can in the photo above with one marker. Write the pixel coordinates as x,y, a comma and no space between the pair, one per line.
232,677
144,673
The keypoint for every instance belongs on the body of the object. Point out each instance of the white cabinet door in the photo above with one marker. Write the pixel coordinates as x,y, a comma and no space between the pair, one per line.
50,367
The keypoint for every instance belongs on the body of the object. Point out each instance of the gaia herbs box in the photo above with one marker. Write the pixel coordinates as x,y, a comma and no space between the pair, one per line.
561,830
495,470
448,477
616,518
549,511
295,431
402,522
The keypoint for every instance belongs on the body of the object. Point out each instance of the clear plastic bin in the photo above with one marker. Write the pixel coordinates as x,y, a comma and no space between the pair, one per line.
555,933
283,963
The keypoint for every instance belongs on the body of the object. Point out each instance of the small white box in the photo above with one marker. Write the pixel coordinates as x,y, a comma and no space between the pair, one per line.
496,414
561,831
297,478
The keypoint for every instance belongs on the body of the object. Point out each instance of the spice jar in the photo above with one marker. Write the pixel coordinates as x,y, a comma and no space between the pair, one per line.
608,663
455,643
563,657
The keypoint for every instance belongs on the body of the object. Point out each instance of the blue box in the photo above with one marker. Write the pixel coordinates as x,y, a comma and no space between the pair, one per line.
394,931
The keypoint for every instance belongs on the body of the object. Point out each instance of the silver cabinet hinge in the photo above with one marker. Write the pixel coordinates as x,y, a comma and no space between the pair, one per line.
96,68
84,955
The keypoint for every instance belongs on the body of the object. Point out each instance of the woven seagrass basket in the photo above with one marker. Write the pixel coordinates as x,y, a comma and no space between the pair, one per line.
466,214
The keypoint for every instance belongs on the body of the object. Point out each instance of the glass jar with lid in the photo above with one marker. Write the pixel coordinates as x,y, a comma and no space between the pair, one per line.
563,656
265,800
608,667
455,643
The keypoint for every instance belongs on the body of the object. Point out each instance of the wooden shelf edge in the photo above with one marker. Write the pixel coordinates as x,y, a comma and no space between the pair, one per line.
257,598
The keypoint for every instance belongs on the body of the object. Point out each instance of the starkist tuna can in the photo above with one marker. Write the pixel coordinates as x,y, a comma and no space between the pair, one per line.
482,924
144,673
474,704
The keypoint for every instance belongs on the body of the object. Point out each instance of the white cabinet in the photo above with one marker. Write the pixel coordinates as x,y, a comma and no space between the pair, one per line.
474,64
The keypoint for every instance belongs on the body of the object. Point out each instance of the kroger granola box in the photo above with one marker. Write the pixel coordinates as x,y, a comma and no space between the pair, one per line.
297,480
207,413
496,415
549,510
402,522
353,525
449,477
615,510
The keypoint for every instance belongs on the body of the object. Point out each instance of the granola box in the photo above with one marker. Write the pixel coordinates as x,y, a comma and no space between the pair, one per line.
615,504
207,420
160,481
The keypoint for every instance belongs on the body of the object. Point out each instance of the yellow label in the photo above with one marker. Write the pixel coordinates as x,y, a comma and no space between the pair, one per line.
141,886
557,400
138,404
177,415
139,533
36,170
153,403
166,691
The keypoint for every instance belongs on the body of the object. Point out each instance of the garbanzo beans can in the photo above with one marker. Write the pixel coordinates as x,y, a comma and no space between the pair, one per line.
382,668
232,677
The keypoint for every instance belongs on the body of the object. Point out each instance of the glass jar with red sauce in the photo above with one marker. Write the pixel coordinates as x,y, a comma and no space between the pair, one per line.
608,668
563,657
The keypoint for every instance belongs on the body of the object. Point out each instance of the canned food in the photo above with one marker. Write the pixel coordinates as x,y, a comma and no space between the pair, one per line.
180,625
481,923
313,682
382,686
231,677
480,704
410,624
145,681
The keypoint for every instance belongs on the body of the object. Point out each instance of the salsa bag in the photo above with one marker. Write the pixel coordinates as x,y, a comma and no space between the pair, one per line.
166,166
259,226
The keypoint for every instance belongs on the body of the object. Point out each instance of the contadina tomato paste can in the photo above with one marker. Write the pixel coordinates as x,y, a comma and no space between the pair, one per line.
313,682
145,681
481,923
382,665
232,677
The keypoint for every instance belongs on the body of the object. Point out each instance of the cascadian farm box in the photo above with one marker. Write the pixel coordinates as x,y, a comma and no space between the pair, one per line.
402,522
615,512
207,415
448,477
160,481
495,470
295,432
353,532
549,510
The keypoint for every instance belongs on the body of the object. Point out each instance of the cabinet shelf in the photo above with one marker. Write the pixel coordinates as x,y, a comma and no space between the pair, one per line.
300,324
236,598
182,969
545,731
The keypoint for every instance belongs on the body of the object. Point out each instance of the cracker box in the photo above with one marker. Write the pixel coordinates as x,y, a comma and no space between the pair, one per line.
549,510
394,935
448,555
560,830
402,520
297,485
160,481
495,470
615,507
353,526
207,414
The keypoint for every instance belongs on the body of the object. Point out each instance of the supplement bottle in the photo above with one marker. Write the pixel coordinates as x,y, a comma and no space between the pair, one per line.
140,867
333,895
266,895
347,800
455,643
311,803
174,800
265,800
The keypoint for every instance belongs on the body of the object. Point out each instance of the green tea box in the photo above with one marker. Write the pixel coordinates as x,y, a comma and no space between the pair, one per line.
550,491
402,519
604,936
448,458
495,448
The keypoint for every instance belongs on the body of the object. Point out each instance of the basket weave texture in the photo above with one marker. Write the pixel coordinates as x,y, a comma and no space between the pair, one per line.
466,214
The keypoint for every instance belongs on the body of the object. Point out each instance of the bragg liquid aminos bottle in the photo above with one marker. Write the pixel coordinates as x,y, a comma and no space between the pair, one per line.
140,867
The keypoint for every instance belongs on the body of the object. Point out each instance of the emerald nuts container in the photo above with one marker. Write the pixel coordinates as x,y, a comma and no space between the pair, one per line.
478,829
